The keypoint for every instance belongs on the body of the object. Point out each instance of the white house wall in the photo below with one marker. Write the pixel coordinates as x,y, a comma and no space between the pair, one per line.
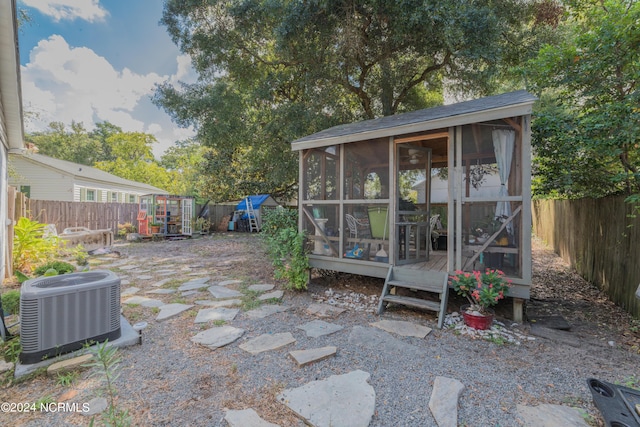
104,191
48,183
440,190
45,183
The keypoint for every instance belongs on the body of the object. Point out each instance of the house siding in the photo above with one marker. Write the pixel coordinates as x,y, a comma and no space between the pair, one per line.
45,183
50,183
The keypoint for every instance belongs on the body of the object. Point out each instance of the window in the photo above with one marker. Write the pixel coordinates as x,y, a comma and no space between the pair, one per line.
91,195
132,198
26,190
114,197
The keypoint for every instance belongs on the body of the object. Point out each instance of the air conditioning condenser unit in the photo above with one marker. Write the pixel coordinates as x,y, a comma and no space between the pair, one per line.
60,314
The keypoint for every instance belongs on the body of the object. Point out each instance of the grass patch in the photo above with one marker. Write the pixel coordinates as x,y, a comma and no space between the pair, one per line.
174,283
133,312
631,382
219,322
67,378
249,299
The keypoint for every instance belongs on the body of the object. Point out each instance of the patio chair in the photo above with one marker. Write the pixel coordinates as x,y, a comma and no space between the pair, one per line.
356,225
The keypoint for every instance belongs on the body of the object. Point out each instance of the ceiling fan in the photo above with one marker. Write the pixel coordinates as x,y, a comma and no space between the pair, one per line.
414,155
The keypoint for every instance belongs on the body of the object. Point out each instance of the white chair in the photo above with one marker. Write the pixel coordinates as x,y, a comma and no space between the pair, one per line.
354,225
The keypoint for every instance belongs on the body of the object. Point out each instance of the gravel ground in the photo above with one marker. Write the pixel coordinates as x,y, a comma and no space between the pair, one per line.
169,381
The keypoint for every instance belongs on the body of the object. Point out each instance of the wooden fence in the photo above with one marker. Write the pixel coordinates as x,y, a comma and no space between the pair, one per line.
92,215
600,238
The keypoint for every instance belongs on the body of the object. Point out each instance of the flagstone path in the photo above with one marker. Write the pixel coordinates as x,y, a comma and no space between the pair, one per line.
346,400
212,302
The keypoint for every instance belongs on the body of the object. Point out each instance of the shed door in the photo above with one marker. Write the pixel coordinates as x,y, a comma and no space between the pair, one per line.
187,215
413,235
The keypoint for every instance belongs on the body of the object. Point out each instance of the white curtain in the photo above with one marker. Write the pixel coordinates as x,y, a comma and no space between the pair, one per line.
503,145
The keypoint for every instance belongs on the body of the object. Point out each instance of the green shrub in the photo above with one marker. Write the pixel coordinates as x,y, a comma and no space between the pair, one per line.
30,246
11,301
285,246
126,228
60,267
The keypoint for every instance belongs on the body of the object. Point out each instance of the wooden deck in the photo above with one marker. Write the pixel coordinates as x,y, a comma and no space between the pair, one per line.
437,262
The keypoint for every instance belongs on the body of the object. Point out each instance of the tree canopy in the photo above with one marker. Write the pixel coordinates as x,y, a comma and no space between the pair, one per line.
587,135
128,155
273,71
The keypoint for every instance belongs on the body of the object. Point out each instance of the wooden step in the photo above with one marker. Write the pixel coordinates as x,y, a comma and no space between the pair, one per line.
429,281
413,302
429,287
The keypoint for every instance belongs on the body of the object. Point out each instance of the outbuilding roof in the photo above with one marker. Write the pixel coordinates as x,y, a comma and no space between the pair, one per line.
87,172
483,109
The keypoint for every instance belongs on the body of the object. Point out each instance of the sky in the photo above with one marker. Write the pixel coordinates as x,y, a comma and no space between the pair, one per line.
91,61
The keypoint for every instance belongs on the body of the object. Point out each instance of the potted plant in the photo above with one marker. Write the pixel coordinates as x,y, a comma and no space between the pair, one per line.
155,227
483,291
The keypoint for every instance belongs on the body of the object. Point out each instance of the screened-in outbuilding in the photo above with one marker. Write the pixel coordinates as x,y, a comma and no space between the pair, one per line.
366,192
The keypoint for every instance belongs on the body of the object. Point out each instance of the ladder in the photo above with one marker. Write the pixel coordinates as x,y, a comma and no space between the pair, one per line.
251,215
435,282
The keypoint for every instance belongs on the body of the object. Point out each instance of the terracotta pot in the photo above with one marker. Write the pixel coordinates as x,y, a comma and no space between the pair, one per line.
476,321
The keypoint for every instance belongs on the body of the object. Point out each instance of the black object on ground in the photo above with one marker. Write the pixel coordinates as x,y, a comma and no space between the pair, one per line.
616,403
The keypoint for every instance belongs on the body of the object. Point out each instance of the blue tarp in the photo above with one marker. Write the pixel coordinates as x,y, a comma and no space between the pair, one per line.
256,201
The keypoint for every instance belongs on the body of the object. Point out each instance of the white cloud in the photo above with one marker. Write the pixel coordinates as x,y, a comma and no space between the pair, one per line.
89,10
64,84
185,72
61,83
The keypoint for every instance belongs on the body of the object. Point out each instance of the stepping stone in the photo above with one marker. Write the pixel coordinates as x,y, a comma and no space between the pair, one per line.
381,342
129,291
96,406
261,287
266,310
161,291
125,282
266,342
222,292
161,282
144,277
551,415
318,328
223,303
306,357
324,310
246,418
128,267
167,273
444,401
170,310
192,286
271,295
69,364
218,336
144,301
229,282
400,327
221,313
5,366
345,400
187,293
